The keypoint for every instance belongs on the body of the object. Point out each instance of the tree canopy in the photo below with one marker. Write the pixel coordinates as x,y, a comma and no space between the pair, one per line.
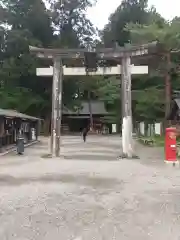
65,24
25,23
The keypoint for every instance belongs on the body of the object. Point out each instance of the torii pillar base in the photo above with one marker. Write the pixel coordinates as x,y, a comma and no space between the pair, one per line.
125,156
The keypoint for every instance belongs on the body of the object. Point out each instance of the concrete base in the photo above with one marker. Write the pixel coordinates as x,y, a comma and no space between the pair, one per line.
172,163
49,156
125,156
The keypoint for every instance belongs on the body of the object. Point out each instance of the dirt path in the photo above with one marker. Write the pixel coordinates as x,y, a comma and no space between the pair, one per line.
88,194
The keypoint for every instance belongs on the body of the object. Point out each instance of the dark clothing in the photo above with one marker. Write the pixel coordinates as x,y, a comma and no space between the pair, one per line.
84,133
84,137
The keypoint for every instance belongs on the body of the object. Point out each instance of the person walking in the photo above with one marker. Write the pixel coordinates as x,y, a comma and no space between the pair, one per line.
84,133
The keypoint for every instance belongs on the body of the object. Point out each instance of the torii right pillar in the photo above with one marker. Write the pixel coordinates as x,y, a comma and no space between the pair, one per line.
127,138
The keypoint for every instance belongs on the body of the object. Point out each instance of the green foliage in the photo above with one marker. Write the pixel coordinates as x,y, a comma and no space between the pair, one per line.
109,92
24,23
70,22
122,28
168,35
129,11
149,105
13,98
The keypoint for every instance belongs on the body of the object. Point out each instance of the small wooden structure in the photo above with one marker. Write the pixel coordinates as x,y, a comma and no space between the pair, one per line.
75,121
11,123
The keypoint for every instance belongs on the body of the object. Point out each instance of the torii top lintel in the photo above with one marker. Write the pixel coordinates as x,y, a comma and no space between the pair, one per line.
102,53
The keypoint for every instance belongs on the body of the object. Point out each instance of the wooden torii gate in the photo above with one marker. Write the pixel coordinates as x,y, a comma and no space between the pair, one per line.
120,54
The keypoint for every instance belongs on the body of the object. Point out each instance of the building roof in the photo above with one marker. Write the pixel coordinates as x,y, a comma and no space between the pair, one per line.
97,107
79,117
15,114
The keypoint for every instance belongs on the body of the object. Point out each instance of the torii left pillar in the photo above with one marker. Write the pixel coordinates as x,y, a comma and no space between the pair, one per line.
56,106
127,139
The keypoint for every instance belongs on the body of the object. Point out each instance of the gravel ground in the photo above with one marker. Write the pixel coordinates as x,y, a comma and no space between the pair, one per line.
88,194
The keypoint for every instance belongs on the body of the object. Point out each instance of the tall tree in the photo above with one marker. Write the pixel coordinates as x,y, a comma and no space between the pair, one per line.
25,23
129,11
29,15
167,34
30,23
73,30
70,22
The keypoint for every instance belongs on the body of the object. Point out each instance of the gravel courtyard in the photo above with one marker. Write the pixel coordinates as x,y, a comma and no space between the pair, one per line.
88,193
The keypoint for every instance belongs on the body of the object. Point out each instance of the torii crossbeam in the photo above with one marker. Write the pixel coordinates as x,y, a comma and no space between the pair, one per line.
81,71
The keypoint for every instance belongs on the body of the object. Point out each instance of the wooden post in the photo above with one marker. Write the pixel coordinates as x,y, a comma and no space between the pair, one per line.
1,132
56,107
52,110
127,141
59,108
167,88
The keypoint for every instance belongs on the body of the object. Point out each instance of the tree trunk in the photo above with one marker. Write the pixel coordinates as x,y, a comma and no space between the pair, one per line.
90,110
167,88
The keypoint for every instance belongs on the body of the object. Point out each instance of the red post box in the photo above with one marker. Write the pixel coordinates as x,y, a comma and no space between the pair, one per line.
170,145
